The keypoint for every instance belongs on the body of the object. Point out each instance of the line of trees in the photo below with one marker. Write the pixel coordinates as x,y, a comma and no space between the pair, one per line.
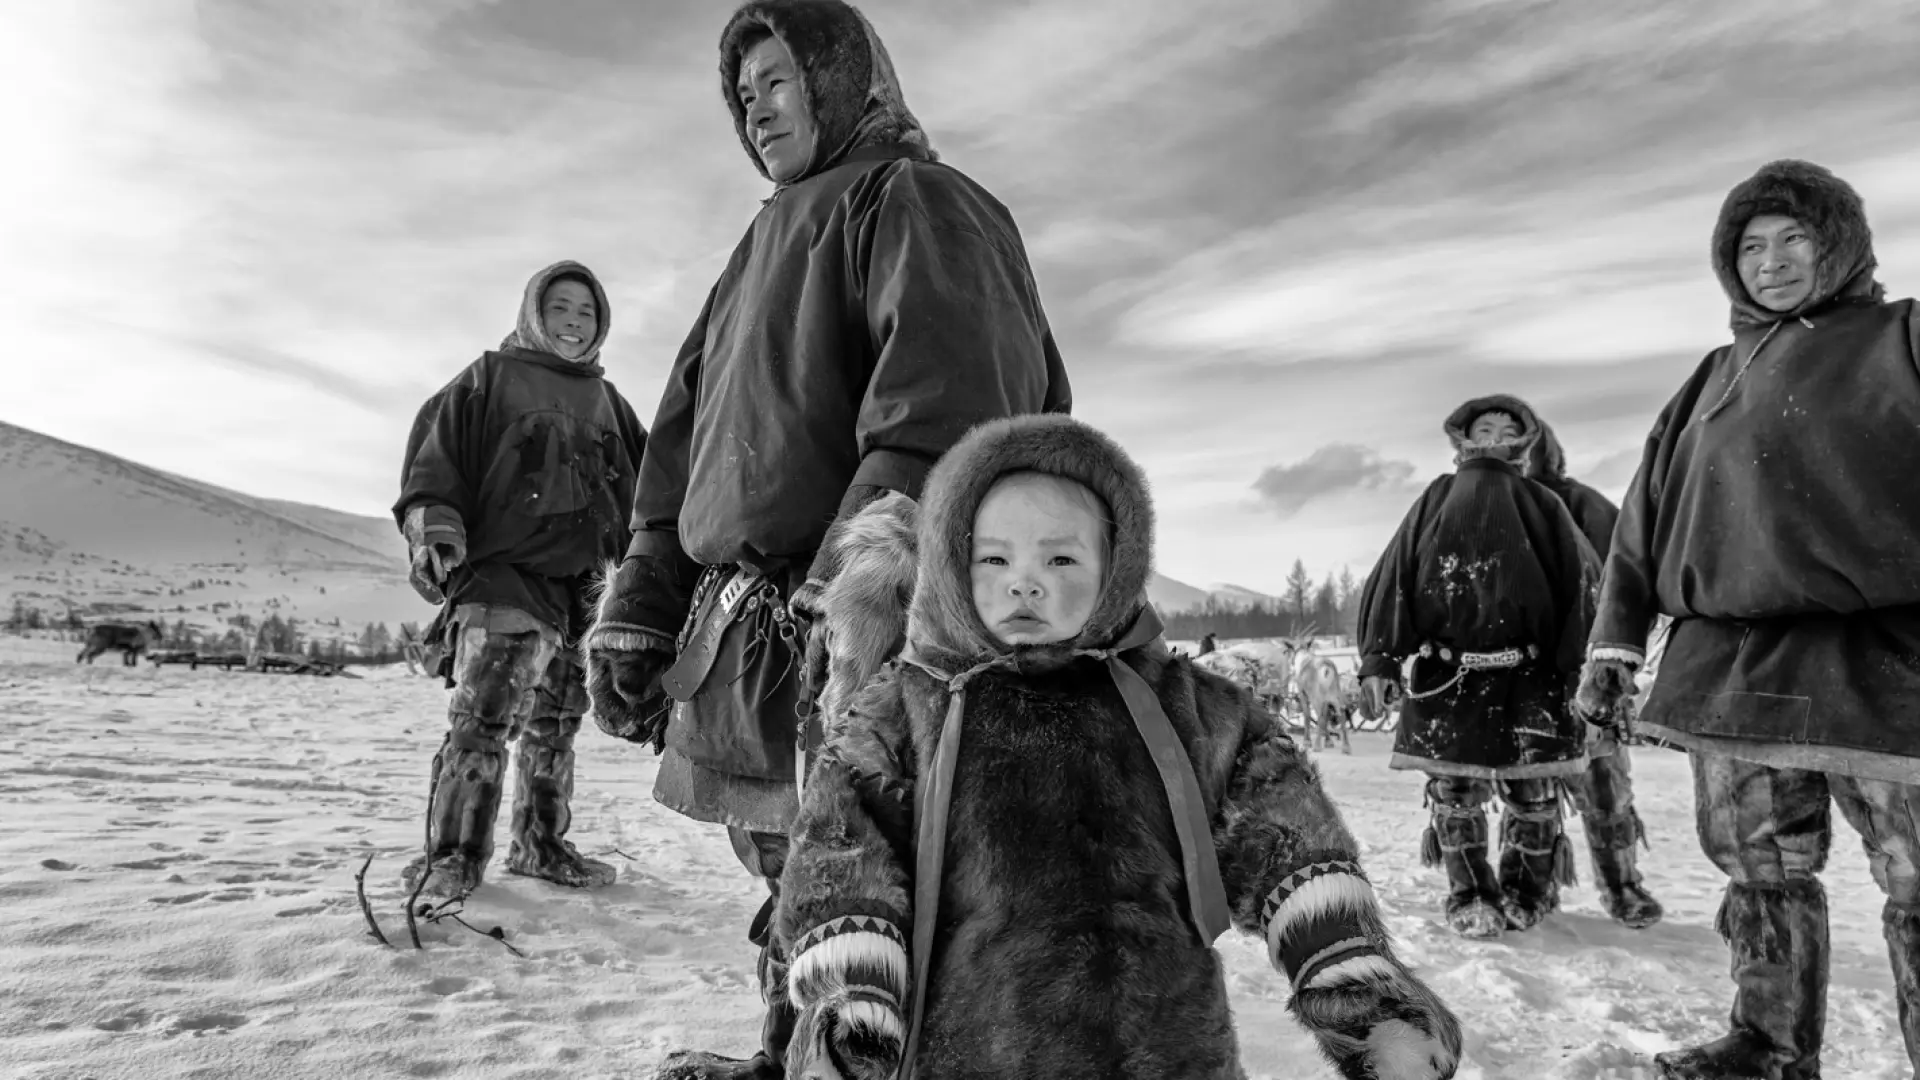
1331,608
375,644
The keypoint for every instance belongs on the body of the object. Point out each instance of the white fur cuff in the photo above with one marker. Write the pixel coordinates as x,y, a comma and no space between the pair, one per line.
622,637
853,954
1619,654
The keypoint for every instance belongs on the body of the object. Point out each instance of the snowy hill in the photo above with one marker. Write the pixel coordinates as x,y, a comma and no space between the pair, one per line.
87,531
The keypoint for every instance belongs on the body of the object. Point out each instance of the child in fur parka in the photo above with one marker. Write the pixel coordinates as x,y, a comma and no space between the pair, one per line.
1023,835
1488,587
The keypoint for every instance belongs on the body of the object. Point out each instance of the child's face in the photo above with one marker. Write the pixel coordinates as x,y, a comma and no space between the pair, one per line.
1491,428
1039,558
570,319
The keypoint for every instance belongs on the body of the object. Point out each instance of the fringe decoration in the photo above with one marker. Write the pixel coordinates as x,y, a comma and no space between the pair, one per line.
1563,869
1430,848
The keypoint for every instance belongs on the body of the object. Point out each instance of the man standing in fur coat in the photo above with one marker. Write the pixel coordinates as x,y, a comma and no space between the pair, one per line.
1024,835
1487,588
880,304
514,490
1774,518
1604,793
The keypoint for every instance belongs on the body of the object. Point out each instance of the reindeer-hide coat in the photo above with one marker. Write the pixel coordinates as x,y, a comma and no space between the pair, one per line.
1774,514
1065,945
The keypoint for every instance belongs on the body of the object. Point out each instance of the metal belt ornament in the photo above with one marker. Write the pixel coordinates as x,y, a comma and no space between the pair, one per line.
1470,661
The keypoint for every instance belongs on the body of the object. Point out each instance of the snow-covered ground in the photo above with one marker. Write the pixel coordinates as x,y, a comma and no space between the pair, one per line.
176,899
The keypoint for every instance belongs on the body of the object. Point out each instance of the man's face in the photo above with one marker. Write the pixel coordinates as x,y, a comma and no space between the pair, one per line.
777,120
570,318
1776,262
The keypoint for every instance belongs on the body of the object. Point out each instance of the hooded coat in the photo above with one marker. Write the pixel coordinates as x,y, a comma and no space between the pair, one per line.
1065,943
1593,512
1773,511
1485,561
530,460
880,305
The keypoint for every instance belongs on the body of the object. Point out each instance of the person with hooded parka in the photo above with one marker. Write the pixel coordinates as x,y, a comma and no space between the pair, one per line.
513,492
1604,793
1487,588
880,304
1026,831
1774,519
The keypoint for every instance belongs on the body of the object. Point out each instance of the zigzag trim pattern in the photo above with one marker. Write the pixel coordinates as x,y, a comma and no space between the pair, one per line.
853,954
1316,888
1316,918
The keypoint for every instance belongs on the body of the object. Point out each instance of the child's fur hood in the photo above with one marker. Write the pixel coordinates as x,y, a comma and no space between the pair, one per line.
1461,420
531,330
847,81
943,625
1817,199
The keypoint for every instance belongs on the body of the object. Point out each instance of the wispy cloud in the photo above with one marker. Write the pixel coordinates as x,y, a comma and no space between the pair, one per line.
248,238
1330,470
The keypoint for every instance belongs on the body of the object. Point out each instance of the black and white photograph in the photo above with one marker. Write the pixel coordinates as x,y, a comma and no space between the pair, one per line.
960,540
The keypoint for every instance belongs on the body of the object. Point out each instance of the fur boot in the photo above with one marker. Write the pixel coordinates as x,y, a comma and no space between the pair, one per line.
466,799
1458,836
1903,946
1611,840
1535,860
542,814
1779,939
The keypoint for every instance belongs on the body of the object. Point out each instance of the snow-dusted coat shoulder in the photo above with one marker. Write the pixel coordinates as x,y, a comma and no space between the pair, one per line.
1065,944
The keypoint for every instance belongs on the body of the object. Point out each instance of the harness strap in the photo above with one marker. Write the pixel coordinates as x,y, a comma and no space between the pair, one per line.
1206,895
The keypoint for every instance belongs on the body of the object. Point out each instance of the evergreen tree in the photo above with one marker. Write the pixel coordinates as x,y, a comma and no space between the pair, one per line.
1299,592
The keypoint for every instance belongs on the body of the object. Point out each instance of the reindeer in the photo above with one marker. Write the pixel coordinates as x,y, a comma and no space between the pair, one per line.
1324,699
131,639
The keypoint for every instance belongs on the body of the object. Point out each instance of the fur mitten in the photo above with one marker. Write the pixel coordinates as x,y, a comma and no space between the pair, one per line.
1381,1026
626,658
1604,683
849,983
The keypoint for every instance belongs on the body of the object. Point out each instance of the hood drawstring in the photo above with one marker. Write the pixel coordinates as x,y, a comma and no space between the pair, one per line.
1206,896
1744,365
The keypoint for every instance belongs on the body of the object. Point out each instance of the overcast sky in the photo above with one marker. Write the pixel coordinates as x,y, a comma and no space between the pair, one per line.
1278,242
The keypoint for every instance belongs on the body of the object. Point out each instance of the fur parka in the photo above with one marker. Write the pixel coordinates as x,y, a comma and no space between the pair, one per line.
1065,945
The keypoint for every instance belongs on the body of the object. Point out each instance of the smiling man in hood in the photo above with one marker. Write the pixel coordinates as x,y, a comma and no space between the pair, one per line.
1774,519
879,306
514,490
1024,837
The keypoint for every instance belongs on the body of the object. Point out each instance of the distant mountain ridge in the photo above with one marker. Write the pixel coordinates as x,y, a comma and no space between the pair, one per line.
87,529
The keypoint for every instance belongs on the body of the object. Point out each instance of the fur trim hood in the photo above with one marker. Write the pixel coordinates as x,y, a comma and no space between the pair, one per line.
942,624
531,331
1547,461
847,80
1461,420
1817,199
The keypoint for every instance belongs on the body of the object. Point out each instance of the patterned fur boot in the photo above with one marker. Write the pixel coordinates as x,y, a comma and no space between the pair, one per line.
1903,945
1535,860
1457,839
542,793
1779,939
466,798
1610,840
